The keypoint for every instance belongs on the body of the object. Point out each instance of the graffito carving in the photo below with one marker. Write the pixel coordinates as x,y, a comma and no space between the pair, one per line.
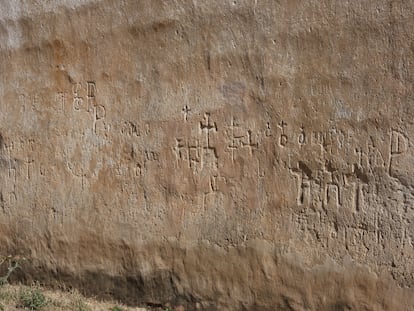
79,173
303,196
217,182
398,142
302,136
61,101
186,110
241,138
99,114
251,144
235,138
29,164
332,196
376,159
90,95
398,148
151,155
194,154
207,126
77,99
283,139
181,150
130,129
198,152
268,130
88,91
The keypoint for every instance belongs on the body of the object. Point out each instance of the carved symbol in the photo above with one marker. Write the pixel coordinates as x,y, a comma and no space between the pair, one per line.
302,136
209,152
362,157
194,154
186,110
250,143
303,175
304,188
375,157
137,170
241,138
151,155
12,198
90,95
99,114
398,143
233,146
60,100
260,170
283,139
319,138
181,151
12,171
332,194
147,129
359,196
359,182
207,126
78,173
300,220
198,154
77,99
36,102
268,131
29,164
22,102
130,129
398,147
217,182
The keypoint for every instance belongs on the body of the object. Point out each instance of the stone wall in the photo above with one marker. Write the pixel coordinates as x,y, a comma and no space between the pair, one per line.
231,155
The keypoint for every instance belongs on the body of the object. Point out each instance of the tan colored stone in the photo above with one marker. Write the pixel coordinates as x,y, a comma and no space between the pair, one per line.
228,155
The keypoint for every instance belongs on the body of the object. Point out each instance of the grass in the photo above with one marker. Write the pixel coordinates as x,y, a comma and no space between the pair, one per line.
33,298
36,298
24,298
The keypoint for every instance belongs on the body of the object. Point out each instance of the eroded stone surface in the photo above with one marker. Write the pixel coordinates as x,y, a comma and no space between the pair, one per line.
219,154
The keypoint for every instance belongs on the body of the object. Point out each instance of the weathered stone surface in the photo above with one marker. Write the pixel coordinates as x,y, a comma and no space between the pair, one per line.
232,155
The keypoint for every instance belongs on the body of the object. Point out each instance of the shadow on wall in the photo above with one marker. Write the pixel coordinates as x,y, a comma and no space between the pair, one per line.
204,277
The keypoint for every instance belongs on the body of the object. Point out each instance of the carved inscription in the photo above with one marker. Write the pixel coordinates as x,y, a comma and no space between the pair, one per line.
283,139
84,99
207,126
17,168
77,99
241,139
335,171
302,136
90,95
198,152
186,110
61,101
151,155
398,147
132,129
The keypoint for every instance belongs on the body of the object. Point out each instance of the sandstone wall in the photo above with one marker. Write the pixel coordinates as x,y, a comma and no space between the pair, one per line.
231,155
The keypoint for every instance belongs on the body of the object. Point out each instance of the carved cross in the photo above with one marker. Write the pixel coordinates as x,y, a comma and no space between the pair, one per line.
208,127
186,110
250,144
